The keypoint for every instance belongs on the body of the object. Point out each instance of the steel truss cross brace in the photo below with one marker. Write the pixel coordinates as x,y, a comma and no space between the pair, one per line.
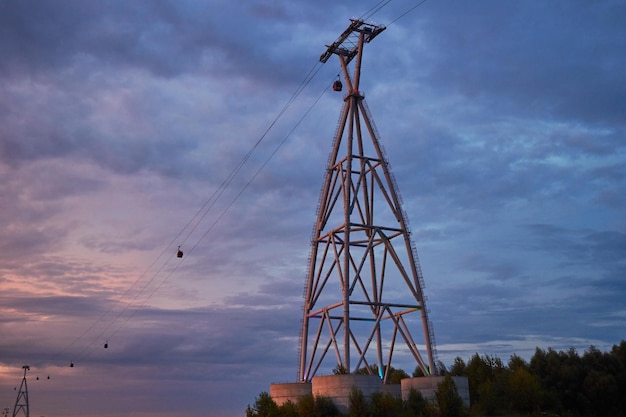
364,285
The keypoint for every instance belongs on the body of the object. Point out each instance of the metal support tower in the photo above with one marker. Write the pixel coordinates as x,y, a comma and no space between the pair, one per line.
21,402
364,280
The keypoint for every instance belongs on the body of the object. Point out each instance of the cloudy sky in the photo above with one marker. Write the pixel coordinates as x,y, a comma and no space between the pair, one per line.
121,124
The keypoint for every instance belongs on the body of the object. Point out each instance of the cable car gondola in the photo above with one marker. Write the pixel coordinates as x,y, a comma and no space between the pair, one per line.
179,254
337,86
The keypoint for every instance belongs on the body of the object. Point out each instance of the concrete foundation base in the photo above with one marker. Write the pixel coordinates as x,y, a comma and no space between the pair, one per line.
427,386
394,390
338,388
281,393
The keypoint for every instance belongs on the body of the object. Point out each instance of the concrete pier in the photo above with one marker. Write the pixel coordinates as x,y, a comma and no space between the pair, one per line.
291,391
338,388
427,386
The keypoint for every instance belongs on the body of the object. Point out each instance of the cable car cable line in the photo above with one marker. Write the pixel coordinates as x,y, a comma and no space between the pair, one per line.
227,208
197,219
190,226
218,193
407,12
375,9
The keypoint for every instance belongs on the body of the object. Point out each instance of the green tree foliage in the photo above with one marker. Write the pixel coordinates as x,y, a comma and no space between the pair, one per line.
385,405
416,405
601,388
394,377
306,406
357,405
340,370
449,401
288,409
619,353
523,390
441,368
324,407
264,406
309,406
515,363
561,375
417,372
553,382
487,377
458,368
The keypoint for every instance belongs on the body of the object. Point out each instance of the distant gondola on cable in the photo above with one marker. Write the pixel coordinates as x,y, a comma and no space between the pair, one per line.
179,253
106,344
337,86
71,364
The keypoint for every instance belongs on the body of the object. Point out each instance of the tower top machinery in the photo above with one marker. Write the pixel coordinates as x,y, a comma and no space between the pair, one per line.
363,297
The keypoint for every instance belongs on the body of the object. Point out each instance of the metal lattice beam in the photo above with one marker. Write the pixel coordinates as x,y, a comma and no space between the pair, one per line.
364,289
21,402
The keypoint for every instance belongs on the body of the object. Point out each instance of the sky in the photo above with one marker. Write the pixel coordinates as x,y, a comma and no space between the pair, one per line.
122,124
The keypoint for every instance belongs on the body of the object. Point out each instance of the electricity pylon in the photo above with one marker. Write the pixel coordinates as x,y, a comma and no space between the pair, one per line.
364,280
21,402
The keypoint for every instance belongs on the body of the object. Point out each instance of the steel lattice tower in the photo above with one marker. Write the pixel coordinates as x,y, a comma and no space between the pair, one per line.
21,402
364,280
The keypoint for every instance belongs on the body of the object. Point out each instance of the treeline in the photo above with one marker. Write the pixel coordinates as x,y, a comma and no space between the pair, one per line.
552,383
561,383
